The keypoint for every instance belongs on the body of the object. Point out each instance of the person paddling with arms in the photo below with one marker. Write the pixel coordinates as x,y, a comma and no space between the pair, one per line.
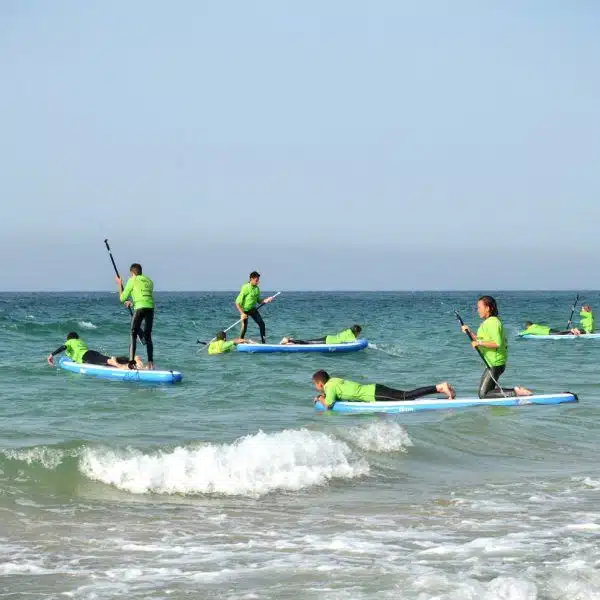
141,290
334,388
248,302
490,342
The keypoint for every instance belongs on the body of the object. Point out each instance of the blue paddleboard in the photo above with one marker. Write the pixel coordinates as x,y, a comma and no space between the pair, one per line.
553,336
153,376
445,403
347,347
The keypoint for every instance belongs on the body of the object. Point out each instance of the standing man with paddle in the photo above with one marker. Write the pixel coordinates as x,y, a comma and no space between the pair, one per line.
248,302
141,291
490,343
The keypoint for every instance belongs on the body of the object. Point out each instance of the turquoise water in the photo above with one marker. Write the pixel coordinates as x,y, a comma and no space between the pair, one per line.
230,485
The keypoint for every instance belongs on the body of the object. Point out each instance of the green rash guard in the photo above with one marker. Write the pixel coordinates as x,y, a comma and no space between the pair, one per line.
339,389
492,330
75,349
141,289
587,321
220,346
248,297
535,329
341,338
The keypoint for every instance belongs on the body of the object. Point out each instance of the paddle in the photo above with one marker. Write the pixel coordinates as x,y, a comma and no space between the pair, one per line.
112,260
462,323
572,311
234,324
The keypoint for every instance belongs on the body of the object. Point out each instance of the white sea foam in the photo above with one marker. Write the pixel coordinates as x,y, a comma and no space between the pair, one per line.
87,325
251,466
46,456
379,436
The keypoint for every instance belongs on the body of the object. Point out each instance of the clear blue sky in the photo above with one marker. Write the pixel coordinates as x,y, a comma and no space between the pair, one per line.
331,145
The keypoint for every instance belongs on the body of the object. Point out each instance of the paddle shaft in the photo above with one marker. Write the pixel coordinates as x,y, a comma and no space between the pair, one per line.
233,324
462,323
572,311
112,260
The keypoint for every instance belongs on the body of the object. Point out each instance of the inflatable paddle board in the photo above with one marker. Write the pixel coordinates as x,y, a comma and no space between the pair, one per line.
153,376
553,336
445,404
359,344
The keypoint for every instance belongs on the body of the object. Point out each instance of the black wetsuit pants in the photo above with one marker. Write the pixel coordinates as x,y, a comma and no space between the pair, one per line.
488,387
387,394
146,316
255,314
93,357
315,341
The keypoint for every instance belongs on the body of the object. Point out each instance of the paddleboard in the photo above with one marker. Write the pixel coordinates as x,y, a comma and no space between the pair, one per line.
153,376
444,403
347,347
553,336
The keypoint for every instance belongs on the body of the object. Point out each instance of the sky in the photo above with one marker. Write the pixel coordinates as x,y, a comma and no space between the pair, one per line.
392,144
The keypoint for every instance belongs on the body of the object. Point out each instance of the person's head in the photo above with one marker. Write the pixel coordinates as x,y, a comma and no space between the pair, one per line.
487,307
221,336
586,308
356,329
72,335
320,378
528,324
135,269
254,277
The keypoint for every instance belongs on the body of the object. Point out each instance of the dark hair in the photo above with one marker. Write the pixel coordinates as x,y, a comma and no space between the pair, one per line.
491,304
528,324
356,329
136,269
72,335
255,275
321,377
220,335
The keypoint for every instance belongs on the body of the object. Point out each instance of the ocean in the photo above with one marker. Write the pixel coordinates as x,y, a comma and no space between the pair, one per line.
231,486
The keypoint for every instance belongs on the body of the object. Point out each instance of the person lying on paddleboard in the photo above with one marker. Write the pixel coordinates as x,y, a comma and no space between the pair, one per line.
247,303
78,352
141,290
348,335
536,329
491,341
586,323
221,345
334,389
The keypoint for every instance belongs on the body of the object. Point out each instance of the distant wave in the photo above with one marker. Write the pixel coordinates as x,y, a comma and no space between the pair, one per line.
87,325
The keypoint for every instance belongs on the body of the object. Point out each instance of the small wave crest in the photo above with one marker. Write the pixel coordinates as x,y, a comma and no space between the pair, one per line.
379,436
46,456
87,325
254,465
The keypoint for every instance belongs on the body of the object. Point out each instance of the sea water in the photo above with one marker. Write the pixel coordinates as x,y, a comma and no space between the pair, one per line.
230,485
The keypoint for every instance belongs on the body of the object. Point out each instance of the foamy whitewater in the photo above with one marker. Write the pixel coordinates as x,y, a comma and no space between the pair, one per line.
231,486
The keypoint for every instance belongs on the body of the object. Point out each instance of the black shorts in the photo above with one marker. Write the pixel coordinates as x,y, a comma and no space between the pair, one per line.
92,357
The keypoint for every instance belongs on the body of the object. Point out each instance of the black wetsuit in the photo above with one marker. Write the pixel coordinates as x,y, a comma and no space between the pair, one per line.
388,394
315,341
145,315
487,387
255,314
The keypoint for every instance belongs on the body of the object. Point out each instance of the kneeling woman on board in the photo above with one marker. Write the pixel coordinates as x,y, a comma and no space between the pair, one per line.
490,341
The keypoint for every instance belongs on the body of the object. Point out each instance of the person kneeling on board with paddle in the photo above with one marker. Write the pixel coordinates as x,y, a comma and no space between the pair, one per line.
343,337
141,290
220,344
335,388
490,342
78,352
586,323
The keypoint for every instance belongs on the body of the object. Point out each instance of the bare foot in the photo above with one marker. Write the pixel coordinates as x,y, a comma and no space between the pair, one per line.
446,388
284,340
139,362
150,365
521,391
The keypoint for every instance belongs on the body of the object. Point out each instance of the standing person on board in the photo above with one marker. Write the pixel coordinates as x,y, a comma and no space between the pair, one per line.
491,342
247,303
141,290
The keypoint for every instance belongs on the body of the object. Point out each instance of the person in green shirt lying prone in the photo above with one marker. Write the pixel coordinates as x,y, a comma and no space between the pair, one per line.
77,350
537,329
334,388
220,345
348,335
